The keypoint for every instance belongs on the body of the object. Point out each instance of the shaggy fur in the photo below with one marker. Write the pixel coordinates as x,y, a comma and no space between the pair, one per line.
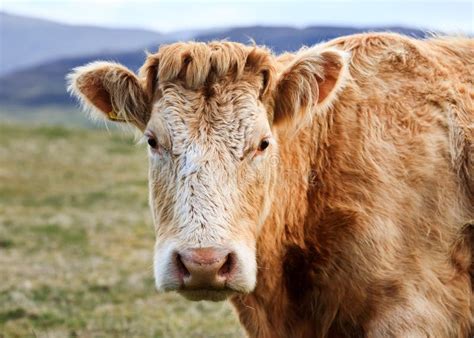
360,214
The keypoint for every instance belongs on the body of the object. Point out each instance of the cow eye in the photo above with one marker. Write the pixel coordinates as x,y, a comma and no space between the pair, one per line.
264,143
152,142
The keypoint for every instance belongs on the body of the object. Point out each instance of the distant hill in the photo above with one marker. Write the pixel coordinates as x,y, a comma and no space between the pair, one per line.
289,38
26,41
43,86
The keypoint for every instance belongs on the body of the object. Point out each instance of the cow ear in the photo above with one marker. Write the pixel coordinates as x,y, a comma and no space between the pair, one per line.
112,92
310,83
149,72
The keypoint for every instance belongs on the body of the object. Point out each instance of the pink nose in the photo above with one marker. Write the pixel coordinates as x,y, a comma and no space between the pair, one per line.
205,267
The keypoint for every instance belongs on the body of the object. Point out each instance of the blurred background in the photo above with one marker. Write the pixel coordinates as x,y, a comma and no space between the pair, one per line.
76,238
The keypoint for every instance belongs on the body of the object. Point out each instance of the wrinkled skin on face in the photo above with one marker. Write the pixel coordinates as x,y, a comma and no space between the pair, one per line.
209,184
211,114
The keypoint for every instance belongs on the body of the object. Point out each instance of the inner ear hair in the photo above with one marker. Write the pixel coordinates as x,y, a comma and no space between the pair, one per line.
111,91
91,86
149,73
261,63
312,80
266,83
333,64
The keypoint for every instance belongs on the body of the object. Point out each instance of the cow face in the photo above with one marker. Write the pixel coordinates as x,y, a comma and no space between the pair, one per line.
211,177
210,114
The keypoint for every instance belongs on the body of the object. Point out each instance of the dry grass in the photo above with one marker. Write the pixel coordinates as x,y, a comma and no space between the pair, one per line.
76,242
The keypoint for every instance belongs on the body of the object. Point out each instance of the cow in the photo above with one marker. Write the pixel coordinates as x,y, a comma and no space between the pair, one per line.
326,193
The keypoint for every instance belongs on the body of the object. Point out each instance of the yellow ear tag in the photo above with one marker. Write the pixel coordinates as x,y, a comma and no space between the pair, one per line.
113,116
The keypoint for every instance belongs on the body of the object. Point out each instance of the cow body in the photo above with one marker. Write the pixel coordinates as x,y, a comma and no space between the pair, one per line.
368,233
328,193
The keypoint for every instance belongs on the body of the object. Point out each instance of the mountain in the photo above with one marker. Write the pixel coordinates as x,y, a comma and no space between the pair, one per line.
289,38
43,86
26,41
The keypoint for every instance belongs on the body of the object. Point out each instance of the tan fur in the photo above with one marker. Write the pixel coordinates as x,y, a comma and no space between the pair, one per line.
361,218
112,91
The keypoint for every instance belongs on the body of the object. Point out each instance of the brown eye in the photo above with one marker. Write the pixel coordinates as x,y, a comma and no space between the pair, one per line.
263,144
152,142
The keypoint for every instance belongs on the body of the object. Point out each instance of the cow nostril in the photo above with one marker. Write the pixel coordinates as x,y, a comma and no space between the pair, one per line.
181,267
228,265
205,267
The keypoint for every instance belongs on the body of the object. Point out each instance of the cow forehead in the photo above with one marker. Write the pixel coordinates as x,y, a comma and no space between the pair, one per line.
217,82
227,121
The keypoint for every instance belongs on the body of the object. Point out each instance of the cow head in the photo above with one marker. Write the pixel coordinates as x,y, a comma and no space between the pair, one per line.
211,115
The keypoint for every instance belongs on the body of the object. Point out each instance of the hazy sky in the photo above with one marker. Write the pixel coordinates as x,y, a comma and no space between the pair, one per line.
451,16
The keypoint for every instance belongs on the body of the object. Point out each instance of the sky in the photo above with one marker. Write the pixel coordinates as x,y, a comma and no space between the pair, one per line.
455,16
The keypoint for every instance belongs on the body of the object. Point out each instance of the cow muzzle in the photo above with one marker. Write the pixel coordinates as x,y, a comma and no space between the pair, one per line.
211,273
205,268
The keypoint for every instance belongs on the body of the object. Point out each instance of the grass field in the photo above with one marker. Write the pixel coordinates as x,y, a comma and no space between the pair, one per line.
76,242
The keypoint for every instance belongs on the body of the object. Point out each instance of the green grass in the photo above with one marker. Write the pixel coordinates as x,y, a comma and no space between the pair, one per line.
50,114
76,241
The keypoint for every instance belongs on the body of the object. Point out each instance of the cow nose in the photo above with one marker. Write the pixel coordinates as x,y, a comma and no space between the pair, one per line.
205,267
